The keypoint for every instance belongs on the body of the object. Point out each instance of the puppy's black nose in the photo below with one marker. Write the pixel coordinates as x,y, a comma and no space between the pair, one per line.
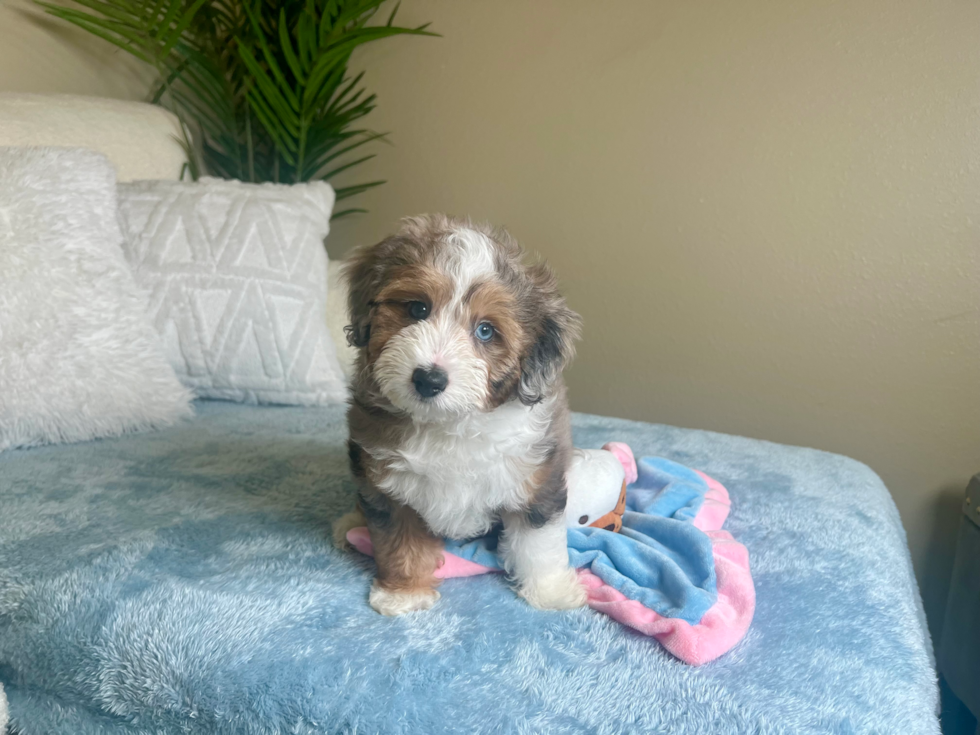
430,381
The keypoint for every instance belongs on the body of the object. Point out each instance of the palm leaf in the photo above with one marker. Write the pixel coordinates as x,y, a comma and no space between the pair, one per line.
261,84
344,192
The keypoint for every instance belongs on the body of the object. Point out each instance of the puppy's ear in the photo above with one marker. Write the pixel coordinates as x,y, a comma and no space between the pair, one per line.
363,271
555,329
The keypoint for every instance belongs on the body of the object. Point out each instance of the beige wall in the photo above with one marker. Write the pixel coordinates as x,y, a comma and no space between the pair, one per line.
766,210
38,53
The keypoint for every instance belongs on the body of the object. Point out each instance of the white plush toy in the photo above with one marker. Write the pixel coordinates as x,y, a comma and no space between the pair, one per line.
597,480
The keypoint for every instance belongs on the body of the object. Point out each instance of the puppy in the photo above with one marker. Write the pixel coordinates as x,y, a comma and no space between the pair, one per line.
458,413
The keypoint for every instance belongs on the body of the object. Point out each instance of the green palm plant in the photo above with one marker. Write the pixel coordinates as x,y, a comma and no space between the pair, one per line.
260,86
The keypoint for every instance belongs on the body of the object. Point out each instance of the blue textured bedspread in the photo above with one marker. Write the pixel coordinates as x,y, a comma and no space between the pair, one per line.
184,581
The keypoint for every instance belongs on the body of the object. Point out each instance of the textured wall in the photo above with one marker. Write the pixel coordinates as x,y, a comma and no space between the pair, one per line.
767,211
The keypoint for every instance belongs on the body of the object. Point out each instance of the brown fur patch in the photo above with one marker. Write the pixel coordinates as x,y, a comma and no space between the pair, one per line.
547,490
390,307
417,283
405,551
492,302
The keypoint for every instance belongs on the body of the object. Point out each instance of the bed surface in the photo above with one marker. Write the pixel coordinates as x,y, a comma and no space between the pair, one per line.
184,581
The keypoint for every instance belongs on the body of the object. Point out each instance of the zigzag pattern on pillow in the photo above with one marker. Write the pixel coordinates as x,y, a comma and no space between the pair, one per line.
237,282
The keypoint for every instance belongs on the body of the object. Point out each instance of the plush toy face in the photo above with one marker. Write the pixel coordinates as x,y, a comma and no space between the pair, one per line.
613,520
596,490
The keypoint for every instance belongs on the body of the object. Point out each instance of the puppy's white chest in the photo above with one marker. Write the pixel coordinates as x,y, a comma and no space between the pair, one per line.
459,477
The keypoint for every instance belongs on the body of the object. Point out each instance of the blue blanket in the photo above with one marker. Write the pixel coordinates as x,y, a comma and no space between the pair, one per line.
184,581
658,559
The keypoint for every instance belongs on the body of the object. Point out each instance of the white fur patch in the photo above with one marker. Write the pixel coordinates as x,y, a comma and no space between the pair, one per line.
460,473
399,603
537,560
438,341
559,591
469,258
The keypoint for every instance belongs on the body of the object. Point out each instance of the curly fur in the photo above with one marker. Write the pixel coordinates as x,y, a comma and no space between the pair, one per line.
494,444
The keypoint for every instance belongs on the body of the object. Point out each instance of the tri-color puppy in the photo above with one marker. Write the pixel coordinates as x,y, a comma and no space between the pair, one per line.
458,415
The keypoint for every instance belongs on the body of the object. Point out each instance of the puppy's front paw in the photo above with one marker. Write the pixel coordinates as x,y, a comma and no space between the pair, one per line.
392,603
560,591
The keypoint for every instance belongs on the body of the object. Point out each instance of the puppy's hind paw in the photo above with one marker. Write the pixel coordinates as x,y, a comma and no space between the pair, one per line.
560,591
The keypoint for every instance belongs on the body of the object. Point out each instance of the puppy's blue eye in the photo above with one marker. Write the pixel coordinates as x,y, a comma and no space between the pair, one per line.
484,331
418,310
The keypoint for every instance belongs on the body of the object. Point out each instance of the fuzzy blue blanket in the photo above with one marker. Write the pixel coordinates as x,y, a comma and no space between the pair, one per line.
184,581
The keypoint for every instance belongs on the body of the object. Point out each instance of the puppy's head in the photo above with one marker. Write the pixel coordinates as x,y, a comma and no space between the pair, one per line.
450,320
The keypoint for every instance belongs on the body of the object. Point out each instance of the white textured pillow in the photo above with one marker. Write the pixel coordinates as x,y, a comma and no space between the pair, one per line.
237,275
78,357
141,140
337,318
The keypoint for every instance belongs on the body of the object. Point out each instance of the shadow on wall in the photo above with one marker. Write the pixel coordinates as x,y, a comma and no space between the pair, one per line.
940,552
954,716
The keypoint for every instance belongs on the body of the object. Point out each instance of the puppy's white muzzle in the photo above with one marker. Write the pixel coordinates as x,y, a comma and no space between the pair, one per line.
431,370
